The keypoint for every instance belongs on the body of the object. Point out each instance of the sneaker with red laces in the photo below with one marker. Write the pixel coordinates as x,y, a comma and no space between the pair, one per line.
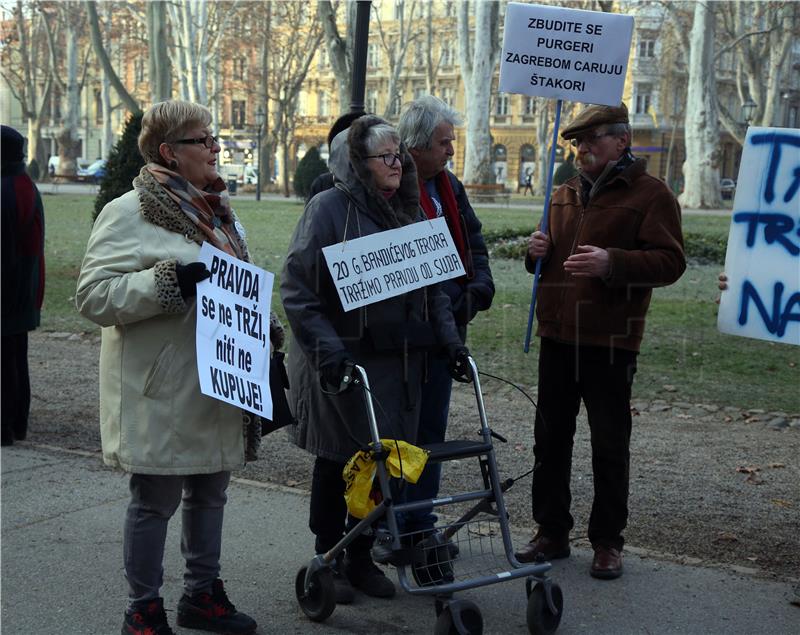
146,618
214,612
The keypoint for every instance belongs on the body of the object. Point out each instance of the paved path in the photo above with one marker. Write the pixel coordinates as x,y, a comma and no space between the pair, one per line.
61,569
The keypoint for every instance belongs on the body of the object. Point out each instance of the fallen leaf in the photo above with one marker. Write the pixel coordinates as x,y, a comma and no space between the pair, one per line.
724,536
748,469
669,388
680,415
634,412
781,503
727,419
777,465
752,558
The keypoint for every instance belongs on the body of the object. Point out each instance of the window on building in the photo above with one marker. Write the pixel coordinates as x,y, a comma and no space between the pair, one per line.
138,70
528,106
373,55
398,10
98,107
447,55
644,97
397,104
238,113
239,68
419,57
372,100
323,59
323,104
647,48
501,104
419,90
448,96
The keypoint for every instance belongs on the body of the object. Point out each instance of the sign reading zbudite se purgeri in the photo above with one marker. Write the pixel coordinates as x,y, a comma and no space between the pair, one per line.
380,266
762,262
560,53
233,344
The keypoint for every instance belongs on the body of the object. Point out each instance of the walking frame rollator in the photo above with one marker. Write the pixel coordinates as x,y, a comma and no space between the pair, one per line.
461,555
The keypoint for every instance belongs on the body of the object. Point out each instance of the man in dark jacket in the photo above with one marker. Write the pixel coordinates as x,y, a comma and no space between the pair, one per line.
23,281
614,234
426,127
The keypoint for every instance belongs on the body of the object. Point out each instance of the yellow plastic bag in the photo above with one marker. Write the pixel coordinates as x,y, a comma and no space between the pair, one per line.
359,473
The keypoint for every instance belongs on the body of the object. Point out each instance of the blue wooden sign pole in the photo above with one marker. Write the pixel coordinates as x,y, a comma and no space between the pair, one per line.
544,223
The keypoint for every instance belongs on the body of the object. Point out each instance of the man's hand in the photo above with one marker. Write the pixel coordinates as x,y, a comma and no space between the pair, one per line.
538,245
588,262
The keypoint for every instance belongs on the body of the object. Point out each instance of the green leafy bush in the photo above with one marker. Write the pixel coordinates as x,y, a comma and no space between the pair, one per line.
309,168
702,249
33,170
123,165
565,172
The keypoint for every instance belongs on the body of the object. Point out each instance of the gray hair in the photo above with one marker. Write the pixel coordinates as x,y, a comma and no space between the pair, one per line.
619,130
420,118
379,134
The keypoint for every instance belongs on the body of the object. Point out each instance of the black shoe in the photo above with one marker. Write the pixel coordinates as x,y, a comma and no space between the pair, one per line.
147,618
364,575
433,559
214,612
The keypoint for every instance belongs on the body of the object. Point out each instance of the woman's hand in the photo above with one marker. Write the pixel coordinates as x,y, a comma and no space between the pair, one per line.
188,277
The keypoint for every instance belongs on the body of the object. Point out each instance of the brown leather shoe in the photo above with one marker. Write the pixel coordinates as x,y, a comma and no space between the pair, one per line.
607,563
543,547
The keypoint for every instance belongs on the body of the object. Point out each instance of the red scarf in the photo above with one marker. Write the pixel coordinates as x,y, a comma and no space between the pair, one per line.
451,215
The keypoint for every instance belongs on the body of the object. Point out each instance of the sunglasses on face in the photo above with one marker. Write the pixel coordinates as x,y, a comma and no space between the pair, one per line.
590,140
389,158
208,141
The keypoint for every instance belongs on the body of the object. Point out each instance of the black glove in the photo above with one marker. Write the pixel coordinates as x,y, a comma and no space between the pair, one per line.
188,277
337,372
459,366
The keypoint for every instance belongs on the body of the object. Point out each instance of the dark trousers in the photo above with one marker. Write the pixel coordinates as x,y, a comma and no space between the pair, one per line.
16,387
602,378
435,407
328,518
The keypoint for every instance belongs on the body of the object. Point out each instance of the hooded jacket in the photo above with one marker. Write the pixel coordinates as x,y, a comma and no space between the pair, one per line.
335,427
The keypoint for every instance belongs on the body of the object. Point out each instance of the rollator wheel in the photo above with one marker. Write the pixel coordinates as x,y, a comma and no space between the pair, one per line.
320,601
541,620
459,617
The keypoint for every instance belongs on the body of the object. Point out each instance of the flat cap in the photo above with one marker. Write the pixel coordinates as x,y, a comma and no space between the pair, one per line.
594,116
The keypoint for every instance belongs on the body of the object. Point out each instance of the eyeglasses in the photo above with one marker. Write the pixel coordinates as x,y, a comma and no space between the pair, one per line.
590,141
388,159
208,141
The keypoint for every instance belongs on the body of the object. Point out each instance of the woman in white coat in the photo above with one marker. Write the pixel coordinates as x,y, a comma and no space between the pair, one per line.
138,281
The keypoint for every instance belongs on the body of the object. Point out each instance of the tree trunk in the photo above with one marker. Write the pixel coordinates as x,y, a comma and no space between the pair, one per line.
102,57
701,168
160,71
67,137
340,50
478,58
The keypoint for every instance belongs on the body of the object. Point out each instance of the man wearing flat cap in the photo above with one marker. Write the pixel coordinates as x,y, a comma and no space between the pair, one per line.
614,233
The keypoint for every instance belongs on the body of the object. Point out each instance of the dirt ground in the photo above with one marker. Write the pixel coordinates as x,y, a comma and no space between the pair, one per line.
709,485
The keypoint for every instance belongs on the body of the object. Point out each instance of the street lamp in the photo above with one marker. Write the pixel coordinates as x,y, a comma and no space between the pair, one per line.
748,109
260,124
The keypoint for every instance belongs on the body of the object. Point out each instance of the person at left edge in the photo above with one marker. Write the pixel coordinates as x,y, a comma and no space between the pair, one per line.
138,281
23,282
375,190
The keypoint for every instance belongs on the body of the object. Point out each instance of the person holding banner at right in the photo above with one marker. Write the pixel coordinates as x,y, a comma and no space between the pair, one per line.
614,234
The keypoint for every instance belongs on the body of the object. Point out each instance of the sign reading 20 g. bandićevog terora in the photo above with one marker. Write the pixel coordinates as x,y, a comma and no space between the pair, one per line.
233,345
763,258
560,53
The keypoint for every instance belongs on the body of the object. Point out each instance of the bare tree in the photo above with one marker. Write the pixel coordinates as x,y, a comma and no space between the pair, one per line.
340,49
479,49
395,45
198,28
26,70
701,168
294,38
160,71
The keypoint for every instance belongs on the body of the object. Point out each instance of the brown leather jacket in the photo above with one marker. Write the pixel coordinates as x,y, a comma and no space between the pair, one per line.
638,220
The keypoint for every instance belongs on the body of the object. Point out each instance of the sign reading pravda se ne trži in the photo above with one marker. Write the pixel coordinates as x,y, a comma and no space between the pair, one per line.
562,53
233,344
379,266
763,257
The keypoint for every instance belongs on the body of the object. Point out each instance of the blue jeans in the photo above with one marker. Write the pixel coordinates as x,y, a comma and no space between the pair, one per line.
154,500
432,428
